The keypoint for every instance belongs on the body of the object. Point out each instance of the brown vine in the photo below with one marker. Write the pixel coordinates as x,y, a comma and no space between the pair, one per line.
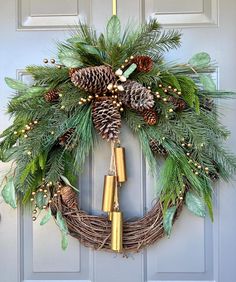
95,231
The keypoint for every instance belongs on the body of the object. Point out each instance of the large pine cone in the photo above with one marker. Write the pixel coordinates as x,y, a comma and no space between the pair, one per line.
93,79
72,71
144,63
52,95
136,96
157,148
106,118
150,116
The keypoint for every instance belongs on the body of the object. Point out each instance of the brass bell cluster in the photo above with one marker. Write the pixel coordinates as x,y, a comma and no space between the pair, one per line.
110,203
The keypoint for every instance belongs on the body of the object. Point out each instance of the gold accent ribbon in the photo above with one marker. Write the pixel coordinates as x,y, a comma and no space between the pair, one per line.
114,7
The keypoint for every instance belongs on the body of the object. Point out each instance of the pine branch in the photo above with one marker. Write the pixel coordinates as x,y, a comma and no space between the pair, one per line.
49,76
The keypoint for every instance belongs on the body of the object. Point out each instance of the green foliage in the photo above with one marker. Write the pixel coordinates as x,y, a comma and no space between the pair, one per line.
170,79
46,218
207,82
189,90
15,84
9,193
113,31
67,182
195,204
200,60
48,76
40,200
69,58
64,241
64,230
168,219
61,223
149,39
84,132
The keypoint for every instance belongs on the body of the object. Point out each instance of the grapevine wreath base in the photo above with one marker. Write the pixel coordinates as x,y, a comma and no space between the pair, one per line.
97,83
95,231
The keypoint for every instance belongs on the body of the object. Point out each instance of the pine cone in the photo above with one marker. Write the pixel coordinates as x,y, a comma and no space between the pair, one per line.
52,95
144,63
106,118
69,197
179,104
136,96
72,71
150,116
157,148
208,104
93,79
64,140
213,176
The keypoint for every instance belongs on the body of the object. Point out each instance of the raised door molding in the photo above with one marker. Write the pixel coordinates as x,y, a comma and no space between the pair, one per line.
51,15
183,13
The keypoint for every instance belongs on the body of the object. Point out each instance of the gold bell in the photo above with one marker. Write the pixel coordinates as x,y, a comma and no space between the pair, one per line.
108,193
110,216
117,231
120,164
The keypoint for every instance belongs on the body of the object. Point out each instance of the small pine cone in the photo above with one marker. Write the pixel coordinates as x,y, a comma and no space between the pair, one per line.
106,118
144,63
157,148
178,103
69,197
136,96
150,116
93,79
52,95
213,176
72,71
208,104
64,140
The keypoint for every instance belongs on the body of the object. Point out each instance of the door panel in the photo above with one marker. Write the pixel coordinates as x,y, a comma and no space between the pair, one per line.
197,249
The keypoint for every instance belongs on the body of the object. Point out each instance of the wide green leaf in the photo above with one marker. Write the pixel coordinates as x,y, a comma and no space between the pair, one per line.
76,40
40,200
113,30
46,218
64,241
16,84
9,193
207,82
67,182
89,49
168,219
61,223
69,58
200,59
195,204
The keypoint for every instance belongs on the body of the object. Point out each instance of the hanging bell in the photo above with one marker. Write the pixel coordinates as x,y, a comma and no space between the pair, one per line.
120,164
110,216
108,193
117,231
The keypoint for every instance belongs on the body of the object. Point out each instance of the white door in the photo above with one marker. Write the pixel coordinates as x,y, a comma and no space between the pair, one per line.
197,250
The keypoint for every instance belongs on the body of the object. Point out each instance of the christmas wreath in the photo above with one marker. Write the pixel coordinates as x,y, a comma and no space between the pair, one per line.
96,83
